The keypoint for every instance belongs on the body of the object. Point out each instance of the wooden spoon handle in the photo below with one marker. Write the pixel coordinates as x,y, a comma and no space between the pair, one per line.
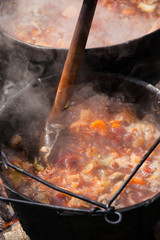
74,57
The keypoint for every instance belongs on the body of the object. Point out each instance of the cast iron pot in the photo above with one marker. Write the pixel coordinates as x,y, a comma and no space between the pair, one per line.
137,58
51,222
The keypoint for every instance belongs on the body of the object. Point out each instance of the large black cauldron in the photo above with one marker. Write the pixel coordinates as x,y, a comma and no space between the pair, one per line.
137,58
50,222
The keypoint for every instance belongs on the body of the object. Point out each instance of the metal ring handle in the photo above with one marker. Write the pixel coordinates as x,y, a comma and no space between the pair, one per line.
117,214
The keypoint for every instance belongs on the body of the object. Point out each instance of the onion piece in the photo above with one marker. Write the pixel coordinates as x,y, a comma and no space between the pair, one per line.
147,7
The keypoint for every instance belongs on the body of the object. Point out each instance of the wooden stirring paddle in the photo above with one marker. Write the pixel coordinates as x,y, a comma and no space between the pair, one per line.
74,57
69,75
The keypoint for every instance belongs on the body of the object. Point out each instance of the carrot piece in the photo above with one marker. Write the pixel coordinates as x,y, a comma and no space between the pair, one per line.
115,123
92,151
147,169
133,130
139,181
6,224
99,126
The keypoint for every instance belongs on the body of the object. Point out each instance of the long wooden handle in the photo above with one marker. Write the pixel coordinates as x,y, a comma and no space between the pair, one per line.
74,56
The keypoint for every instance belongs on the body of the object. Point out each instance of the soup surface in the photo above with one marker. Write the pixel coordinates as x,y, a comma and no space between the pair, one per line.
98,142
51,23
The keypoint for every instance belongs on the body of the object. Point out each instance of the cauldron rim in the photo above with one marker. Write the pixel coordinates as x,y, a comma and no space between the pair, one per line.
147,202
118,45
133,80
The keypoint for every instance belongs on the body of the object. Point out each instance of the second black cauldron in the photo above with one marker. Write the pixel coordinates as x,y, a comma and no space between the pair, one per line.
47,222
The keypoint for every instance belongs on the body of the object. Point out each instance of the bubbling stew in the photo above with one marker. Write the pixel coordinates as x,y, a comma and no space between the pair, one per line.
98,142
51,23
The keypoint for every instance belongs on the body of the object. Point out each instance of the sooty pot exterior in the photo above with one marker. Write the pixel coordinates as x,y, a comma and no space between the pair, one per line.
138,58
139,222
47,222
